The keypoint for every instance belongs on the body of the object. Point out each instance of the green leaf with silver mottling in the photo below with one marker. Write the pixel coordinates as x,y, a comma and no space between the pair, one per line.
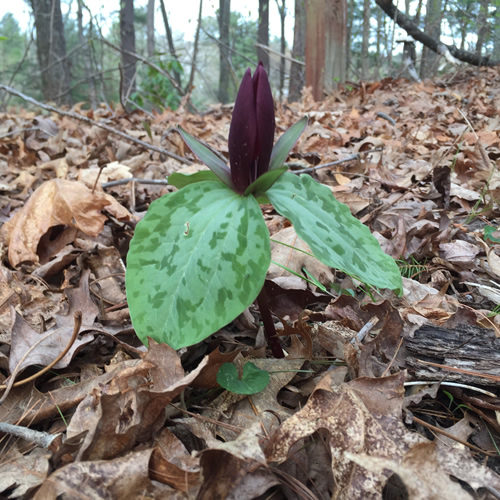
285,143
197,260
334,235
211,160
252,380
265,181
180,180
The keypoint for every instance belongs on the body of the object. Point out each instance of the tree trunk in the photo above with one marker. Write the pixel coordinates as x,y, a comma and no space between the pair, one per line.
326,40
224,66
263,33
87,56
51,51
365,45
195,50
150,21
170,40
127,43
298,52
496,39
350,21
428,64
282,11
482,24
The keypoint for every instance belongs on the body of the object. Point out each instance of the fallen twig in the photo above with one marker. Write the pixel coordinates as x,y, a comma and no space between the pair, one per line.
42,439
89,121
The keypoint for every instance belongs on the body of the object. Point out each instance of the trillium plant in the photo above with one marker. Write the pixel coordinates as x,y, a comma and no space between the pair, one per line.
200,256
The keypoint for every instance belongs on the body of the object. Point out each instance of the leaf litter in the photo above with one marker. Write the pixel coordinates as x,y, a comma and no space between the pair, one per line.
379,397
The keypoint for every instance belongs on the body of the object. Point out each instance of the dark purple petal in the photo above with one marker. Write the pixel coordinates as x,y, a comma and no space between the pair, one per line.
243,135
264,105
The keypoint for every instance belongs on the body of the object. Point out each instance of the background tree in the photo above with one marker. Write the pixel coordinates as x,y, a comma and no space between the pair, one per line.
365,56
225,55
151,28
298,52
326,41
433,17
51,51
263,33
127,45
171,47
282,10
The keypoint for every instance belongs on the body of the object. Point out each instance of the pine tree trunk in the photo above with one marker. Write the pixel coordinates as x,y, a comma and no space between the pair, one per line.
51,51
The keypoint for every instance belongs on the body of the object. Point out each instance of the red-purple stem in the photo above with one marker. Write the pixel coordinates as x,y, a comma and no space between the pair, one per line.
269,330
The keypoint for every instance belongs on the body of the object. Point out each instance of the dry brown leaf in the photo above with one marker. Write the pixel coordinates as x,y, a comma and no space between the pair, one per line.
362,416
124,477
57,203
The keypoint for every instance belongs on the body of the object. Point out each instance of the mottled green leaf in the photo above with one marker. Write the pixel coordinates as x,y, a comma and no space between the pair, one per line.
335,237
197,260
285,143
265,181
252,380
180,180
211,160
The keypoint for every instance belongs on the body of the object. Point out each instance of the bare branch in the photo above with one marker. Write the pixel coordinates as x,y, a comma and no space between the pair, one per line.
89,121
435,45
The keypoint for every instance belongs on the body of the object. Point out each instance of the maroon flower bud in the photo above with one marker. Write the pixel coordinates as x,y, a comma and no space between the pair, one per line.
251,134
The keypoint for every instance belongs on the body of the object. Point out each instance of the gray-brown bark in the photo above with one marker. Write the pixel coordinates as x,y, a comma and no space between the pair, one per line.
468,348
326,40
224,60
170,41
127,44
366,39
298,52
150,21
417,34
282,11
51,51
432,28
263,33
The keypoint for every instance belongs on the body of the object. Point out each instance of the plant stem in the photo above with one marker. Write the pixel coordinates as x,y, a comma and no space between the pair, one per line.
269,330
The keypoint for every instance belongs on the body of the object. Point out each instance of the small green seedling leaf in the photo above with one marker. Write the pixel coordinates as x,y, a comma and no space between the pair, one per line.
211,160
335,237
180,180
488,234
197,260
285,143
253,379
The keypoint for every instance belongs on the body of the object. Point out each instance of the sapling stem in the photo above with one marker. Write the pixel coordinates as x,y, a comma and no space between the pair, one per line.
269,330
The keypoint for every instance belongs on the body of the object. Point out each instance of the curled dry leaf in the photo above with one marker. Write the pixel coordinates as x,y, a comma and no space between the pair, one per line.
236,469
57,202
52,342
362,416
124,477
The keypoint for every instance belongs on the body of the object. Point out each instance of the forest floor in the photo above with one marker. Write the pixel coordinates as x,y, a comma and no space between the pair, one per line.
379,397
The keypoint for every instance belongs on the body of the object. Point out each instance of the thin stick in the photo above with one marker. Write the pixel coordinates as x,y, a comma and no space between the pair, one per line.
42,439
89,121
8,387
451,436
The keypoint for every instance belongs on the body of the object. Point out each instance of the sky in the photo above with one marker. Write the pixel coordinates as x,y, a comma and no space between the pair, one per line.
183,14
